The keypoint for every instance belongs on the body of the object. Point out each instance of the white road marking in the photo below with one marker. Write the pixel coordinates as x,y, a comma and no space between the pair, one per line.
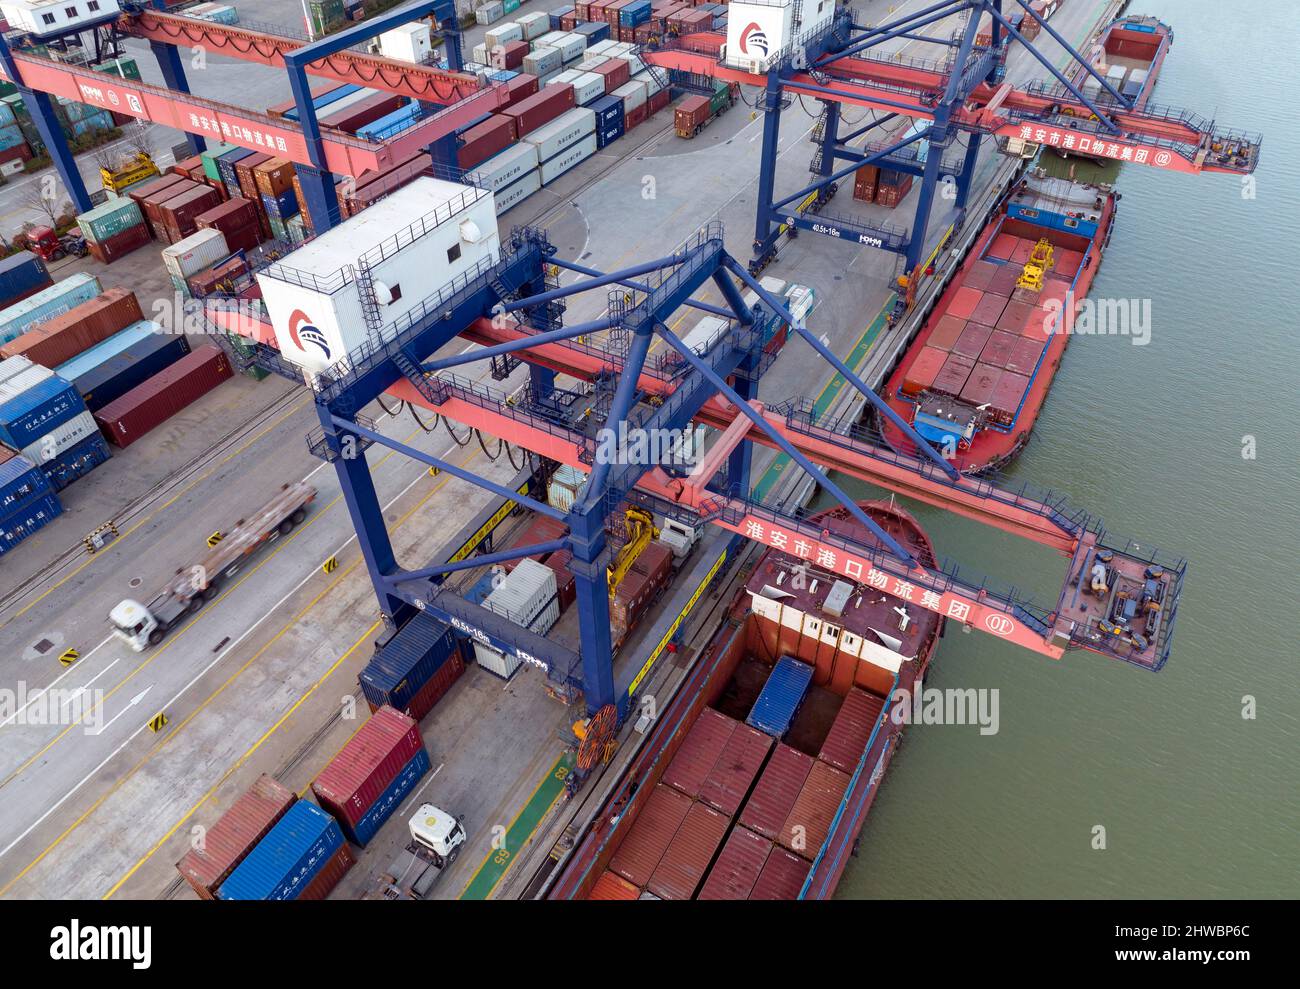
129,704
81,690
44,690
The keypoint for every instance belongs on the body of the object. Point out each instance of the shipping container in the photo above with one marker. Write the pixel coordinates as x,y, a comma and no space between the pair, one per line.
519,88
846,742
126,419
150,196
502,169
543,107
28,519
417,654
733,774
77,459
615,72
63,337
49,302
200,250
973,339
777,789
518,190
738,867
632,94
375,756
503,34
330,874
699,752
284,863
1007,396
534,25
809,822
484,140
609,119
643,847
864,183
528,597
227,842
565,131
273,177
180,214
33,401
978,389
553,168
22,275
123,361
612,887
356,115
60,439
782,878
21,482
1024,357
947,331
236,220
120,245
401,786
781,696
543,60
587,86
640,589
952,376
687,857
923,370
997,351
373,186
109,219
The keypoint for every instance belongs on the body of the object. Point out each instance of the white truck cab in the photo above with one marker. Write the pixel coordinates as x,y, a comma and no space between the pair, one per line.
133,624
678,537
437,831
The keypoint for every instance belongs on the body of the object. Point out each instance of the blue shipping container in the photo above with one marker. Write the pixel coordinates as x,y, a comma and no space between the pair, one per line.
21,483
282,207
593,31
634,14
781,696
112,368
609,119
382,809
558,15
76,461
27,417
325,99
282,864
400,669
386,126
20,274
23,522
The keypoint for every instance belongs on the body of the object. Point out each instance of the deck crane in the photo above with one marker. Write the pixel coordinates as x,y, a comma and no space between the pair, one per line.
829,58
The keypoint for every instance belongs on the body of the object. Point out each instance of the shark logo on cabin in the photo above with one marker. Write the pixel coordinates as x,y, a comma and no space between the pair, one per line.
302,331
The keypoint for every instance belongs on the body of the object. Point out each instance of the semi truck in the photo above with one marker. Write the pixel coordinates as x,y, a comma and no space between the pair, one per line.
143,625
436,841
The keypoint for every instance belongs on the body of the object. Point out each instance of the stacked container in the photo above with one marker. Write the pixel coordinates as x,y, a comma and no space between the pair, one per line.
127,359
228,842
302,857
892,187
237,222
27,502
49,302
22,275
188,257
114,229
564,142
414,669
640,588
62,338
45,418
126,419
372,774
526,596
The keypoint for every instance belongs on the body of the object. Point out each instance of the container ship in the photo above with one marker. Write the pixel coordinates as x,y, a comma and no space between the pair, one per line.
974,380
757,778
1129,53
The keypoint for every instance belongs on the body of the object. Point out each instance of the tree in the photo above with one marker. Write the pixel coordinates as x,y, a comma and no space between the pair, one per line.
42,198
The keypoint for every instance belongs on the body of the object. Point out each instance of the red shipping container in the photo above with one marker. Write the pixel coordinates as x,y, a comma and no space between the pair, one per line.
782,877
568,22
946,332
566,587
180,214
699,751
482,141
273,177
925,367
616,72
777,789
980,275
738,867
636,116
609,12
519,88
191,167
151,190
120,244
152,204
678,874
387,179
645,843
323,883
691,114
963,302
513,55
806,828
734,772
229,841
126,419
540,108
1007,395
368,110
428,696
657,101
19,152
1024,356
951,378
1004,279
612,887
972,340
997,351
851,729
864,183
230,215
371,759
979,387
1015,317
65,336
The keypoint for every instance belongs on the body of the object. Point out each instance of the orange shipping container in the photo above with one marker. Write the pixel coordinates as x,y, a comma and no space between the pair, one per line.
809,823
65,336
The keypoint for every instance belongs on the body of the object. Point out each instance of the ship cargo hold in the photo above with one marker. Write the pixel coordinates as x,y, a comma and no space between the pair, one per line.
1130,54
756,779
975,378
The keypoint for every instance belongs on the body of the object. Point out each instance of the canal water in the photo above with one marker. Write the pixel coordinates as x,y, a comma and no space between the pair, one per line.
1105,780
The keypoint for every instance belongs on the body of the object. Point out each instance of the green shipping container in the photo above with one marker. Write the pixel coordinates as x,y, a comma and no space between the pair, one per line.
510,6
242,347
113,217
720,99
124,68
325,15
210,167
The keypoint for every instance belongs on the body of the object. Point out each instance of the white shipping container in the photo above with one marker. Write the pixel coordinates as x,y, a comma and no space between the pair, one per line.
414,242
61,438
571,45
563,489
564,131
707,332
495,662
480,55
534,25
503,34
550,39
588,86
621,48
527,597
543,59
561,163
650,79
198,251
502,169
518,190
548,77
605,48
408,43
591,63
490,13
632,94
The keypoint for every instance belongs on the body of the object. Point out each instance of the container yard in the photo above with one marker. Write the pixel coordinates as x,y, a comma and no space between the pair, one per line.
505,452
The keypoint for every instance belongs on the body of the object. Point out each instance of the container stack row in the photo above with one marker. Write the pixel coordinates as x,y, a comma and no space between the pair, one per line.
883,186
